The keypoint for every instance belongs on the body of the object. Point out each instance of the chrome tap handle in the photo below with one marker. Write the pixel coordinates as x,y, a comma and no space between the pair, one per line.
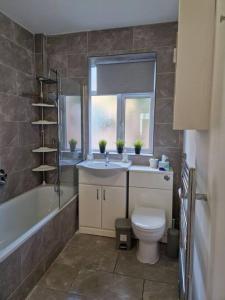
106,158
3,177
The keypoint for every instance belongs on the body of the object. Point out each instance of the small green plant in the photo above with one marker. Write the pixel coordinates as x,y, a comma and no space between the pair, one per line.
102,145
73,144
120,145
137,146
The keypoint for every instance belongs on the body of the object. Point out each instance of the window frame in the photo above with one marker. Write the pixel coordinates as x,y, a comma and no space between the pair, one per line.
120,131
148,150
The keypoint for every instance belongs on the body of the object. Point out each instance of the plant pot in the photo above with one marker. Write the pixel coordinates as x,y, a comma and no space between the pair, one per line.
137,150
72,148
120,150
102,149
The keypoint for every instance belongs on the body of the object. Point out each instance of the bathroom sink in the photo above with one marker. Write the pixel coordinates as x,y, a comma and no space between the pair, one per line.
102,166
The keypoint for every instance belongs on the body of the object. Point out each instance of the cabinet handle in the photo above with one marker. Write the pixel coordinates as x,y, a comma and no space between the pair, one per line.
97,194
103,194
166,177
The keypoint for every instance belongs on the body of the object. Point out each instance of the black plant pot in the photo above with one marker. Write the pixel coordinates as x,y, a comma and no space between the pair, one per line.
72,148
120,150
102,149
137,150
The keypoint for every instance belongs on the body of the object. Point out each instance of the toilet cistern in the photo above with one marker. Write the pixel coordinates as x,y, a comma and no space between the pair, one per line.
150,209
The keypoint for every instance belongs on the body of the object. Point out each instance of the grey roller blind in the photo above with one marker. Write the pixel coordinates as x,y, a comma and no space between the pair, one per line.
128,77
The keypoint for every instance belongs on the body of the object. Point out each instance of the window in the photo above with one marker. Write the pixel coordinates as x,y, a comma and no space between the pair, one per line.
138,120
71,120
104,120
122,98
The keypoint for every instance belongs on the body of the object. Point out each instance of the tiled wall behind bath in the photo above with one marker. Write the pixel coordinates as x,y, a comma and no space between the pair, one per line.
69,54
17,87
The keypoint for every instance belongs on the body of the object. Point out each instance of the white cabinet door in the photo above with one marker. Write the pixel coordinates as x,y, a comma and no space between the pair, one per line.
113,206
89,206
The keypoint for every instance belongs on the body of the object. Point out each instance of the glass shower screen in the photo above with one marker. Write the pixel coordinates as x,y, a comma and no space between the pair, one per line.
70,140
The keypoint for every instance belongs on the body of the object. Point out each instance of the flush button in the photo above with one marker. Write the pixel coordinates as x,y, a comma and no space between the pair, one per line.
167,178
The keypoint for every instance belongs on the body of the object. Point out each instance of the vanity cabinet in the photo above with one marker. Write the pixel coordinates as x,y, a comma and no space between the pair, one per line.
90,206
101,201
194,62
113,205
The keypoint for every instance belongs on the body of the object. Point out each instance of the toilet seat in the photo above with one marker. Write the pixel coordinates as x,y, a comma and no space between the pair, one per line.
148,219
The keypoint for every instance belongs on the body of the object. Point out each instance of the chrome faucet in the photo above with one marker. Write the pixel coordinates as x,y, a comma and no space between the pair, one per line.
106,158
3,177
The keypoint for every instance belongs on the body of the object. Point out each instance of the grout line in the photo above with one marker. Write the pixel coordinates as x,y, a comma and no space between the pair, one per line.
143,288
117,260
165,98
145,279
31,75
133,38
166,73
87,43
29,52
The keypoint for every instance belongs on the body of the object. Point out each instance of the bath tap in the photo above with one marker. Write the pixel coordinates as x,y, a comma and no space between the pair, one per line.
106,158
3,177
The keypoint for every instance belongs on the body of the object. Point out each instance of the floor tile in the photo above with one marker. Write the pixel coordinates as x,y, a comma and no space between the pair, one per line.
40,293
90,268
59,277
166,270
160,291
102,285
91,252
92,242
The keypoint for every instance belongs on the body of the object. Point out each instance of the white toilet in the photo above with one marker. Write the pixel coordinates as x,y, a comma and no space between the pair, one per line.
149,226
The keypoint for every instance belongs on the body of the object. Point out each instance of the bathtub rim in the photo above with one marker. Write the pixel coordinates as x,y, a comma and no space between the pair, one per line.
12,247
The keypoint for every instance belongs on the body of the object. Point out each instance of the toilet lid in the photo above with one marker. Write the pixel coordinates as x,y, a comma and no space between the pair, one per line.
148,218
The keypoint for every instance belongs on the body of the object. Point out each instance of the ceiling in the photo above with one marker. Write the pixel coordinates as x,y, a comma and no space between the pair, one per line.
64,16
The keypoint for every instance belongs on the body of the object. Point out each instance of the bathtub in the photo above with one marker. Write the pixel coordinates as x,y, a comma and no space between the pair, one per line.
33,231
23,215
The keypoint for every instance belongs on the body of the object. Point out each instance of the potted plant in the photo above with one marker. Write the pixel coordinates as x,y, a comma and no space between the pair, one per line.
102,145
120,146
73,144
137,146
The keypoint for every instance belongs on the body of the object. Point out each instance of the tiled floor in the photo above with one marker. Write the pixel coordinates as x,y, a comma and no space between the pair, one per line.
90,268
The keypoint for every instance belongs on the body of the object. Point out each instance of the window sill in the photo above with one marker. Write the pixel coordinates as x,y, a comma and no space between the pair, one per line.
68,151
132,154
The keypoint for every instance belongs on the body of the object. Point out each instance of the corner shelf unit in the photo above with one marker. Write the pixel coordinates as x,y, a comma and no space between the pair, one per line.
44,168
43,105
48,80
44,122
43,149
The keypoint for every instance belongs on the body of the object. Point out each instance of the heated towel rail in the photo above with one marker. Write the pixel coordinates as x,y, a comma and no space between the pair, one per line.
188,196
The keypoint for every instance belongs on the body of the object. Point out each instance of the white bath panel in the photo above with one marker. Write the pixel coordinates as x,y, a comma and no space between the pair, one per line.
44,122
44,150
43,105
44,168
